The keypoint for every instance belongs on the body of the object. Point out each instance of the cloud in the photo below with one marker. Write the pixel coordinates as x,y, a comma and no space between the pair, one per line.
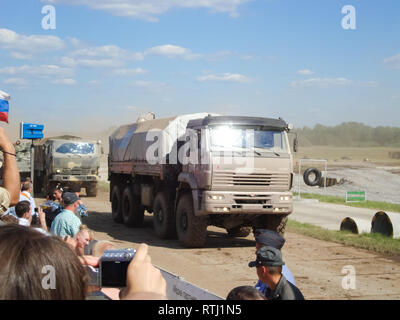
172,51
115,57
129,72
331,82
25,46
43,70
111,51
68,82
150,9
16,81
93,63
393,62
148,84
20,56
305,72
103,56
94,82
226,77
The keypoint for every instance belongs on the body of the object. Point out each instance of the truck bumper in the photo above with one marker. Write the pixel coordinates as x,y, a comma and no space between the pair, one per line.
78,178
242,202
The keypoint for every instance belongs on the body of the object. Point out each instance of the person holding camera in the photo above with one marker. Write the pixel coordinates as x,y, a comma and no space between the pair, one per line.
23,211
27,251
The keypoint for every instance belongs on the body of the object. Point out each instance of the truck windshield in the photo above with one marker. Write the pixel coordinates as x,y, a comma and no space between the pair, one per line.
232,138
75,148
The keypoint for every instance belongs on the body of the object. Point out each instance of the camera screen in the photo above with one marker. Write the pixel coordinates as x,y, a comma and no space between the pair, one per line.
113,273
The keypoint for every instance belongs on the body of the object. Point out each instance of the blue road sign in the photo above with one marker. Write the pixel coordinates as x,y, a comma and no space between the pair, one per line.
31,131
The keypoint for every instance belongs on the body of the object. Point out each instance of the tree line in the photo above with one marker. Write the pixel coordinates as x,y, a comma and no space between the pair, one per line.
349,134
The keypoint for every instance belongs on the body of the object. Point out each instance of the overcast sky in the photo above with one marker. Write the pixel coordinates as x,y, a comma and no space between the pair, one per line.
108,61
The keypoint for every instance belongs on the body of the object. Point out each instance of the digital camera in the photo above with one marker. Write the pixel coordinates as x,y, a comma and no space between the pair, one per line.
112,269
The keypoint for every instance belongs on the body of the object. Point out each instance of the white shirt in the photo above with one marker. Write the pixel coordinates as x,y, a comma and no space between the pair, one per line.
26,223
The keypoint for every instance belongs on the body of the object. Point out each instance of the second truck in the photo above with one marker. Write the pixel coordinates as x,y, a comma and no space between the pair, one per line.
197,170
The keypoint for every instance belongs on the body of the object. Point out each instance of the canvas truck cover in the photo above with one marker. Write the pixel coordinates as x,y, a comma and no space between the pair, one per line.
130,142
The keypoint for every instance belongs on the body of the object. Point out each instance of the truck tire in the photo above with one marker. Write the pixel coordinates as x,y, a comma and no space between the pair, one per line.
274,222
116,205
132,211
163,216
278,223
191,230
239,231
91,190
312,171
38,187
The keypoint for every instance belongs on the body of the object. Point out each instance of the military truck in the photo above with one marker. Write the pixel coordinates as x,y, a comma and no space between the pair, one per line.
23,155
197,170
66,161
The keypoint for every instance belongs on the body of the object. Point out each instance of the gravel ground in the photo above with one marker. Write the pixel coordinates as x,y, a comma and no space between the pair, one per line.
380,183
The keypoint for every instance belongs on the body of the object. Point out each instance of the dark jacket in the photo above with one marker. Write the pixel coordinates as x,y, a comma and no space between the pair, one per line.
284,291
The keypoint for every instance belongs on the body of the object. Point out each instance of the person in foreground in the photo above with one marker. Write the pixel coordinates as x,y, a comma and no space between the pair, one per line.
245,293
269,270
265,237
34,266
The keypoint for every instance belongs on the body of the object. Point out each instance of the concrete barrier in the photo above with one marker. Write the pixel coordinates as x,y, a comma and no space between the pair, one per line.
355,225
387,224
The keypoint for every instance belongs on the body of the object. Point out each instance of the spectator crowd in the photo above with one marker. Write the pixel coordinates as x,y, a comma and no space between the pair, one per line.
33,237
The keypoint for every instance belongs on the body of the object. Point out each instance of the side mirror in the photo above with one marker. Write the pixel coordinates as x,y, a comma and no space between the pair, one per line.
102,150
295,144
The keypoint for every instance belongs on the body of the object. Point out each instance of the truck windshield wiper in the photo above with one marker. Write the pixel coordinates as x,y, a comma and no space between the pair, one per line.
270,150
244,149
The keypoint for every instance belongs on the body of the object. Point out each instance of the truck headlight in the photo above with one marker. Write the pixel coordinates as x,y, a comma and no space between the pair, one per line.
58,171
285,198
216,197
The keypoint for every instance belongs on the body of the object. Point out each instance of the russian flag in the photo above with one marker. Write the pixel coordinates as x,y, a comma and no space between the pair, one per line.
4,97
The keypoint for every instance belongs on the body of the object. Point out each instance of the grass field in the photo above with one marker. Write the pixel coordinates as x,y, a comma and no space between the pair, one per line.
369,241
377,205
335,154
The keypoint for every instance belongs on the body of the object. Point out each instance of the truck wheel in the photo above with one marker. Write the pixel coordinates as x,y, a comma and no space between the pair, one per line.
116,205
239,231
37,188
191,230
132,211
163,216
91,190
277,223
310,172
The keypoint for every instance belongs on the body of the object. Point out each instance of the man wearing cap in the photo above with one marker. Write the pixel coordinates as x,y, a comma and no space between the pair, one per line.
269,270
265,237
66,223
82,210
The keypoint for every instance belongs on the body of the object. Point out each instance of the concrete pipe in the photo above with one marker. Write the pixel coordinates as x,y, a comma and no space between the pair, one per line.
355,225
387,224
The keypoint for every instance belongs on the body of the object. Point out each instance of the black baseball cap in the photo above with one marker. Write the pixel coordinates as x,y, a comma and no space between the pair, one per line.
269,238
268,256
69,198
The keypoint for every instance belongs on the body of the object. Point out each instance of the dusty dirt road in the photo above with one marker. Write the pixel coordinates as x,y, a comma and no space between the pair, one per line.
222,264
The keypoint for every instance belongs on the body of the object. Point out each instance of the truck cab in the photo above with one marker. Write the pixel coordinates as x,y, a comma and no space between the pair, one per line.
69,161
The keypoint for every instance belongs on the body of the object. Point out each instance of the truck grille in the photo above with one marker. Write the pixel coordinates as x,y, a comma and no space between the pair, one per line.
76,172
251,199
255,181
